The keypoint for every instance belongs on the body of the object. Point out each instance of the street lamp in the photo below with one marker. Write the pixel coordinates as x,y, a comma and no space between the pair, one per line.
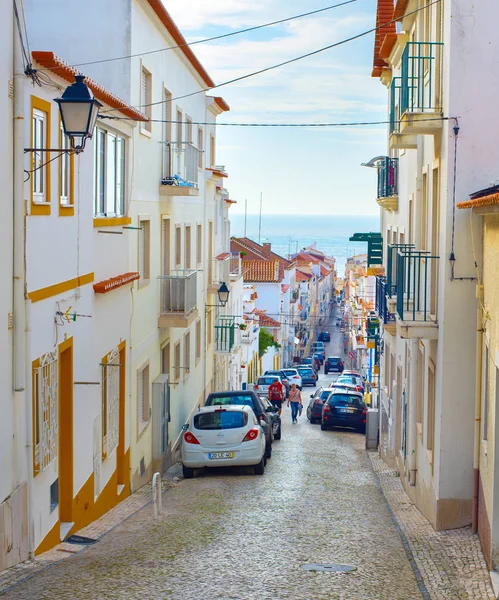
78,109
223,294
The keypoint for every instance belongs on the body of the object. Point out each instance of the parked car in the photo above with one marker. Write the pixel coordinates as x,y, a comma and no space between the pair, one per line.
308,362
276,419
339,321
344,386
308,375
293,376
263,383
333,364
314,408
223,436
318,358
324,336
344,409
284,379
318,348
246,398
352,380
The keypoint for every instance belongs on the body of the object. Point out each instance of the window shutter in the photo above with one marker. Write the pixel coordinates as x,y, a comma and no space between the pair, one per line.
143,90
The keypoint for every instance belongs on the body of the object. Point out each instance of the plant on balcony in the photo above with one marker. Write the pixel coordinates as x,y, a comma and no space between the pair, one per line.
242,254
243,326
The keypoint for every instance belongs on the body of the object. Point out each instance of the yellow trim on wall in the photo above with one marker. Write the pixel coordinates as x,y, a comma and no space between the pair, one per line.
65,210
41,209
60,288
111,221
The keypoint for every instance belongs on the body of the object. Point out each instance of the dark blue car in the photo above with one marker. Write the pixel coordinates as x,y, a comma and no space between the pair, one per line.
308,376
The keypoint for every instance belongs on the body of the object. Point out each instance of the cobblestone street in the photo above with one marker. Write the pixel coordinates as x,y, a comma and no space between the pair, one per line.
231,535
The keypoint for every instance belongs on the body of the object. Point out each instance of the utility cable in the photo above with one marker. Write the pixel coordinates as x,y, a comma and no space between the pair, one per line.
217,37
284,63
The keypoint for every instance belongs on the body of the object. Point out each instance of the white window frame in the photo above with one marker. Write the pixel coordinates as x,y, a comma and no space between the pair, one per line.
65,171
144,250
143,395
145,99
39,176
110,176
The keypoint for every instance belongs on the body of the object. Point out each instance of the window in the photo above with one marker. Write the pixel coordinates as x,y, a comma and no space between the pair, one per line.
187,354
188,130
486,392
40,139
187,251
424,213
430,426
198,340
66,183
176,360
143,397
145,98
178,246
200,146
165,359
212,150
165,247
145,249
45,411
109,176
110,401
420,389
209,326
199,244
167,132
179,127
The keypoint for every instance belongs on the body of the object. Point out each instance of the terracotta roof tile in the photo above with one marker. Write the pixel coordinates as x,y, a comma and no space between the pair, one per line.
261,271
302,276
490,200
266,321
384,14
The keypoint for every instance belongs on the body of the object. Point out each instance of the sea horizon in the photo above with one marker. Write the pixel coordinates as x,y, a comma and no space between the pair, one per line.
290,233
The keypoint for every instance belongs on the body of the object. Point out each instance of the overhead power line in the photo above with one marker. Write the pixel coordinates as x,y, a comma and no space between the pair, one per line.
284,63
217,37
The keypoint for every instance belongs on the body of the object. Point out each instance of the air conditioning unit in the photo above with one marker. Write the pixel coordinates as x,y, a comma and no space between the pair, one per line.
160,419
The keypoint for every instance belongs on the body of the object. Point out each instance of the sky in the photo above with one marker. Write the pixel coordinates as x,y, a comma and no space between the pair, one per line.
295,169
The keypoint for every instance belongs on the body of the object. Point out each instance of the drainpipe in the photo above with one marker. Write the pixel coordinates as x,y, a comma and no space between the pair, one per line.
478,409
19,341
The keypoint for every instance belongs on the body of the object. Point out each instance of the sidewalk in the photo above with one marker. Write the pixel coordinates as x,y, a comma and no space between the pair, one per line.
447,564
96,530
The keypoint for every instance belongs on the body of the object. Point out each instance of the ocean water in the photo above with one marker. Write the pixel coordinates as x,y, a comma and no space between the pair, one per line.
290,233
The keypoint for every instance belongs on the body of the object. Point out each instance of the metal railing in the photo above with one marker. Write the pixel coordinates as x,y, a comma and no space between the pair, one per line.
178,292
395,105
235,268
388,177
416,297
224,333
294,296
420,77
391,271
381,304
180,164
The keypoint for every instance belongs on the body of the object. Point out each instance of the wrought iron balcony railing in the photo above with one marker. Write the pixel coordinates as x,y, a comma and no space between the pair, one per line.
416,287
395,105
391,271
178,292
387,177
420,77
180,164
381,304
225,334
235,266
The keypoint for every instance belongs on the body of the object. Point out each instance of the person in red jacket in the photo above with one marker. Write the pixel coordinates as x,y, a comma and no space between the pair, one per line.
277,394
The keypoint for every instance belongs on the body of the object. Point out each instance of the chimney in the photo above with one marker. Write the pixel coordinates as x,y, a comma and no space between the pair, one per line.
267,249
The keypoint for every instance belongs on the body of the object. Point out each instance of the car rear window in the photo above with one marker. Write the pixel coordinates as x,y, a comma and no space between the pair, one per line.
345,399
266,380
307,371
223,419
334,361
228,400
290,372
325,394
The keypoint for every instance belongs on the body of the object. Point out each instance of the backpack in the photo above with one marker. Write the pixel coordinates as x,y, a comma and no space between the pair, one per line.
274,392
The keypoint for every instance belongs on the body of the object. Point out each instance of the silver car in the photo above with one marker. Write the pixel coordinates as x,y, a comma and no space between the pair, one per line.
263,383
293,377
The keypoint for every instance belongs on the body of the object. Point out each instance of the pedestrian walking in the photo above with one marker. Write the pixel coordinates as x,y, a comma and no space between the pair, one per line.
295,401
277,394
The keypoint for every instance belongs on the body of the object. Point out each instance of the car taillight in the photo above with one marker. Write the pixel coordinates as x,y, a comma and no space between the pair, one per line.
317,401
255,387
359,388
296,377
251,435
327,408
364,414
190,438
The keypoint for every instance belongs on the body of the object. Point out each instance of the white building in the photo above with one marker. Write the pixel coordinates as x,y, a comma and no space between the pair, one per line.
432,68
173,205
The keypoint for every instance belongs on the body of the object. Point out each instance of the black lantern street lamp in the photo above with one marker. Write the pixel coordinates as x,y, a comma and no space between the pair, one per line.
223,294
79,110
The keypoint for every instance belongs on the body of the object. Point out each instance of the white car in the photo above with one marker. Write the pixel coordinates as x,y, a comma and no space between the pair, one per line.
263,383
223,436
293,377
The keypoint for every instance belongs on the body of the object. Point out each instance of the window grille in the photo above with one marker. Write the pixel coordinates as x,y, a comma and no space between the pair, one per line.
111,370
46,411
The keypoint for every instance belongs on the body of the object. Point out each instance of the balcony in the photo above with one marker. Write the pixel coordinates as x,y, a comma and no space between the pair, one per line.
220,272
235,267
180,169
249,335
416,290
416,97
388,183
294,296
178,299
386,317
225,330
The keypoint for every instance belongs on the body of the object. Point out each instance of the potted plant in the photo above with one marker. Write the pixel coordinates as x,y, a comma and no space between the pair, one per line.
242,254
242,326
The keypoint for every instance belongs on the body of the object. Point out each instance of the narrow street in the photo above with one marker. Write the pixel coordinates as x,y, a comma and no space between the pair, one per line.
232,535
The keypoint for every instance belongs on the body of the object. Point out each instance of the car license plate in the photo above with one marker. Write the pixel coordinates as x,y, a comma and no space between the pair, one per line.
347,410
215,455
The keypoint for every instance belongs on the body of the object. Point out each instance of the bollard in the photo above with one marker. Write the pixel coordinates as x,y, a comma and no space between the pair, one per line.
157,497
